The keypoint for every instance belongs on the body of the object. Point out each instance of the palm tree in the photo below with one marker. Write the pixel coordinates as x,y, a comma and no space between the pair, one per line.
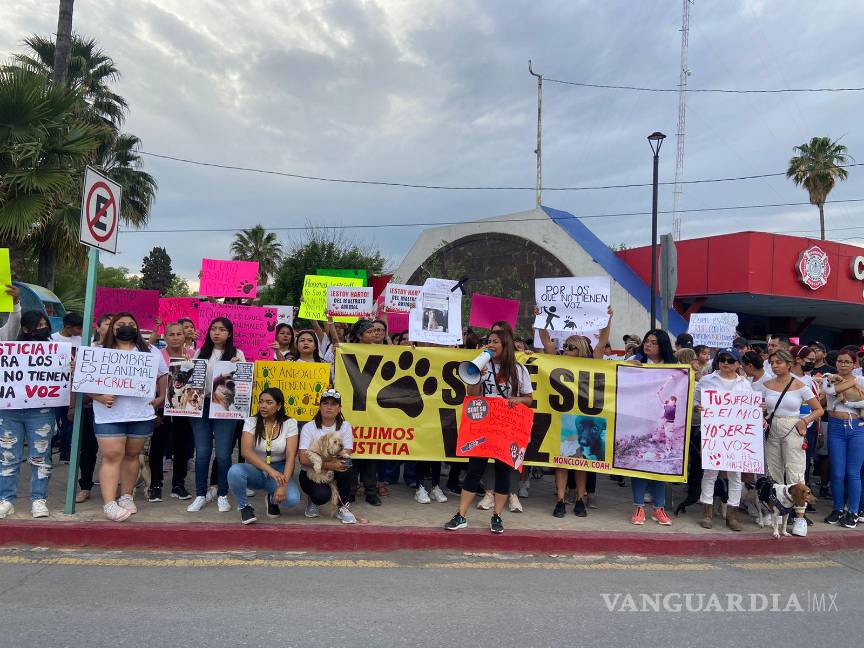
817,168
258,245
64,41
121,162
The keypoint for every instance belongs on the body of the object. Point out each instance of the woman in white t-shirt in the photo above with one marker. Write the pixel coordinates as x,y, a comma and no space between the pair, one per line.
124,423
269,445
784,454
502,378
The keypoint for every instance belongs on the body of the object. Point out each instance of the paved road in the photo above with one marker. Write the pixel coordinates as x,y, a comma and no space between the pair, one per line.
75,599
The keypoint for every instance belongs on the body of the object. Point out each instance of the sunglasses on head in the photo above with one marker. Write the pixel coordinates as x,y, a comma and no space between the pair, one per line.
571,347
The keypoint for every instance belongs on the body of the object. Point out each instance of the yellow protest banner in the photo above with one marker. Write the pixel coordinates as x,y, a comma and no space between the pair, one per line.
6,305
314,306
302,384
597,415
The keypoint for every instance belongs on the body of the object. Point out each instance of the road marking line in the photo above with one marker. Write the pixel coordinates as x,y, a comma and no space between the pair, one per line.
790,564
576,566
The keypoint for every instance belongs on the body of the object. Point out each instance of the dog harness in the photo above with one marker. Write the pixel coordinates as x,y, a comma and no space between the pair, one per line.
776,503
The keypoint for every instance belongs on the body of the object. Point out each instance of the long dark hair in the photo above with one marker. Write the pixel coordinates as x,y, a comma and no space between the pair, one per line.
339,419
106,316
281,416
30,320
667,355
316,353
279,328
508,367
229,351
110,341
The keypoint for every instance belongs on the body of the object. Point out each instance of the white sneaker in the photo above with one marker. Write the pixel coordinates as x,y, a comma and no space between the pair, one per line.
212,492
421,496
39,509
437,494
250,492
197,504
345,514
223,503
523,489
487,502
799,527
515,504
6,508
115,512
127,503
311,510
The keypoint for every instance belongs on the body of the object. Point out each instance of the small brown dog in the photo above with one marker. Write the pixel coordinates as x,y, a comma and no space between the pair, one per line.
326,448
782,500
851,395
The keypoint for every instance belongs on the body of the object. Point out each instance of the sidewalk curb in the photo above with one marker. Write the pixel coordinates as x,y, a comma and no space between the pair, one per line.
303,537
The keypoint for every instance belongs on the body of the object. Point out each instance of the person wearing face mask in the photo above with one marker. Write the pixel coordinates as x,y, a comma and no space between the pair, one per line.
33,426
124,423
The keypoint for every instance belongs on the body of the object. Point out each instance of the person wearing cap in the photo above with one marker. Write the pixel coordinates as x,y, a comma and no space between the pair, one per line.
742,344
725,378
821,352
683,341
328,419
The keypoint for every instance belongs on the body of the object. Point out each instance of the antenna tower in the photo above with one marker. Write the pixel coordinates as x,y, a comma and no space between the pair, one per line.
682,118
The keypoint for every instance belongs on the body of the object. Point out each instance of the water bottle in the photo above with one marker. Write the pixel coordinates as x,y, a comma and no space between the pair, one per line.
803,412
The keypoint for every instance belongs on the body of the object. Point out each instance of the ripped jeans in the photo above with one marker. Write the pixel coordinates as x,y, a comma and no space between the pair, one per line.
36,427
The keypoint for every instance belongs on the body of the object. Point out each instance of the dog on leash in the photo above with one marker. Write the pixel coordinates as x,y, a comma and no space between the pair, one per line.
781,500
327,447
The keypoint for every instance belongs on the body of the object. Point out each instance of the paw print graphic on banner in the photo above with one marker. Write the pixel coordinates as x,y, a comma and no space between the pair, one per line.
245,287
404,393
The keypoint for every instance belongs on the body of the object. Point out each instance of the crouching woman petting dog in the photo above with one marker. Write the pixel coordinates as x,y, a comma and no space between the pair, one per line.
326,443
269,446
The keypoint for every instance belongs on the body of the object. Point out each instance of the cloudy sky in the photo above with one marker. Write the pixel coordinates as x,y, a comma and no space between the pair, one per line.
439,93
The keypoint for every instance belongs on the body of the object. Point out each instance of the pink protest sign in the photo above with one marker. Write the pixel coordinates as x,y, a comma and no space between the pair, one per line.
172,309
143,304
229,278
254,327
486,310
397,323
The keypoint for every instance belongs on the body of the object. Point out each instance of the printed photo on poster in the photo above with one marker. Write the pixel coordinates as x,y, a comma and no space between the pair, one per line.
651,419
583,437
435,313
232,390
186,381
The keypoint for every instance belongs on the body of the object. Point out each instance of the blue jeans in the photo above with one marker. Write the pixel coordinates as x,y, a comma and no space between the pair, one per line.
846,452
245,475
204,430
36,427
657,489
131,429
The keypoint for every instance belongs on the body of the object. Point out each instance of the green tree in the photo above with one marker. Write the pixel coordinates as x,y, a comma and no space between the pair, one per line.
156,271
119,277
121,162
817,167
179,288
319,249
256,244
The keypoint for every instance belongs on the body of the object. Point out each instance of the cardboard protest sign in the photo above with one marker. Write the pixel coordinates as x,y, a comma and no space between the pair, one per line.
349,302
229,278
715,330
172,309
732,435
397,323
117,372
253,329
231,396
6,304
186,383
314,304
143,304
572,304
437,313
486,310
302,384
491,428
34,374
284,314
342,272
400,298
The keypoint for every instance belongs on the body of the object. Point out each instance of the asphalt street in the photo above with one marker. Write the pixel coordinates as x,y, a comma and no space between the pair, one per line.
74,598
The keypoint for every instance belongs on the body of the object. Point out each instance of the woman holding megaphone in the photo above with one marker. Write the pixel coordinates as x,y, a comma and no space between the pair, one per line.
497,376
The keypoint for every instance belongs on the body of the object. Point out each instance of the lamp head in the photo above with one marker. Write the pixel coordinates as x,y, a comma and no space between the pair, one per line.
655,140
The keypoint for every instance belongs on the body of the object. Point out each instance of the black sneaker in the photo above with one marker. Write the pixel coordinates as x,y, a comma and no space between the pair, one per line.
495,524
579,508
247,515
373,499
834,517
456,522
560,509
454,487
850,520
154,494
180,493
272,508
810,508
825,492
861,516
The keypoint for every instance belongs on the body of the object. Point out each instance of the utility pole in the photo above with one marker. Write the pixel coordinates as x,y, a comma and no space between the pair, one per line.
539,150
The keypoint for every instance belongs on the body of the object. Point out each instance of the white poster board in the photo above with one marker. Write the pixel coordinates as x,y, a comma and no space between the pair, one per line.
572,304
400,298
34,374
284,314
117,372
732,435
349,301
437,314
231,395
186,383
716,330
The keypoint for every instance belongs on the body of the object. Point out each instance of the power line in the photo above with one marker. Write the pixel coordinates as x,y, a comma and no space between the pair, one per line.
513,220
703,90
387,183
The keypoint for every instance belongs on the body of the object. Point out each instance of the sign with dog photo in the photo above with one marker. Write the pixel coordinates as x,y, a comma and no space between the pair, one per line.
186,382
231,396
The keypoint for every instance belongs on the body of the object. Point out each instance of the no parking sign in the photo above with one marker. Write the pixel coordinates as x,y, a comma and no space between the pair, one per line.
100,211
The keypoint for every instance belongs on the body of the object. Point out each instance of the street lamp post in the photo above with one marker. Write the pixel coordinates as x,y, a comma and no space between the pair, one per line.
655,140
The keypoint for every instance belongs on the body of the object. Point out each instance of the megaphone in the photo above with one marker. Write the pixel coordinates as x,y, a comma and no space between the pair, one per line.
469,372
